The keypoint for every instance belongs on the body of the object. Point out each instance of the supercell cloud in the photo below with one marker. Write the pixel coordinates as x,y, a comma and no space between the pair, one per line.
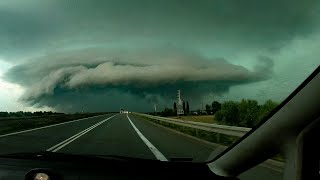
101,56
142,73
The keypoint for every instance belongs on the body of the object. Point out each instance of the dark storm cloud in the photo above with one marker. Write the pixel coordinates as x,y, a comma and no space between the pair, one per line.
150,74
40,26
103,54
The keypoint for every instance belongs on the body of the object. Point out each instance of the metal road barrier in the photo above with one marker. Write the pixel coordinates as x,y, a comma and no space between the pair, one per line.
221,129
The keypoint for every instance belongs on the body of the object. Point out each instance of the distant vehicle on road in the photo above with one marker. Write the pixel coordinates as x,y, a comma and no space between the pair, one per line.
122,111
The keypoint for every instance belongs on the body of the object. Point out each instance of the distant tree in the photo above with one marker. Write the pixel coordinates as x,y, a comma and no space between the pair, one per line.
19,114
187,108
38,113
266,108
167,112
4,114
48,112
28,113
208,108
229,113
184,106
175,107
248,113
216,106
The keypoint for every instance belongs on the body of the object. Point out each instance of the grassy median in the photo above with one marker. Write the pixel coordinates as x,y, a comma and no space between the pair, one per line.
197,118
217,138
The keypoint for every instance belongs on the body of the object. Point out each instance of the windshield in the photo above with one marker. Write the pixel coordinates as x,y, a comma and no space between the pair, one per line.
124,78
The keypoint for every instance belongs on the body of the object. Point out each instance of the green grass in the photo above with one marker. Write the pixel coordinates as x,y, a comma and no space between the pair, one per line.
198,118
13,125
222,139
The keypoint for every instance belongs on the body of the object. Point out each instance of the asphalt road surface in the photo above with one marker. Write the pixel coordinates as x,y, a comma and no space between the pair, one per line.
117,134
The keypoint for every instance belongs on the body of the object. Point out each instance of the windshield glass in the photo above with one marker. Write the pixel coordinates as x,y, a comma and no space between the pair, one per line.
122,77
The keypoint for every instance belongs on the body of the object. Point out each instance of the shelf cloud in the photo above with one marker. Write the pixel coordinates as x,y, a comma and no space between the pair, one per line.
141,73
103,55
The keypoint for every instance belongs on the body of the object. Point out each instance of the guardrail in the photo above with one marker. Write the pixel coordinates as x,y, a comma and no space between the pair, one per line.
221,129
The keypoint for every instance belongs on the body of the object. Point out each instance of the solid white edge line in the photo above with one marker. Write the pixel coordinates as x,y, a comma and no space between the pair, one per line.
43,127
62,144
152,148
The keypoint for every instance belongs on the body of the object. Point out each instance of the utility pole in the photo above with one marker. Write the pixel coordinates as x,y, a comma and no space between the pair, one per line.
82,110
155,108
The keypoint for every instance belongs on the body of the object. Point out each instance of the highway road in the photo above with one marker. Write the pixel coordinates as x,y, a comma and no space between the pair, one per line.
117,134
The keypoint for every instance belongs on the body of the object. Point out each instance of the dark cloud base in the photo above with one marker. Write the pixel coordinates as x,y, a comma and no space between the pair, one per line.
137,99
136,83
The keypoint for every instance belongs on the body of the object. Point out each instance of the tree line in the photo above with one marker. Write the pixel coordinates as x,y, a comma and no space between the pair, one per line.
246,113
27,114
173,111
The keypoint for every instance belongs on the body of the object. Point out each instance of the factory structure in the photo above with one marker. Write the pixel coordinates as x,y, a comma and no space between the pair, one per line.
180,110
180,107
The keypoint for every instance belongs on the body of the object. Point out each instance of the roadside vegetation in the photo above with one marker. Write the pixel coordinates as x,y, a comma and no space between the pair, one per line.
27,114
208,136
197,118
18,121
246,113
216,138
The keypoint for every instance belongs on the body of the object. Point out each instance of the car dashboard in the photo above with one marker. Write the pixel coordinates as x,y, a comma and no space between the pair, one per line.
75,167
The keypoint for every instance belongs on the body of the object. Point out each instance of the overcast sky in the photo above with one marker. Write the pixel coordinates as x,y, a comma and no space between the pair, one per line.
104,55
